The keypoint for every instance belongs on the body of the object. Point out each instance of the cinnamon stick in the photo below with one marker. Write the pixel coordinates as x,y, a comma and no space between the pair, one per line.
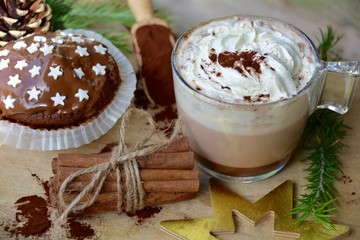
145,174
103,204
179,145
164,174
149,186
107,202
180,160
175,153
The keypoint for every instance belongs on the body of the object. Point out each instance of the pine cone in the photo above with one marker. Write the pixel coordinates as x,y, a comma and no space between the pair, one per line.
21,17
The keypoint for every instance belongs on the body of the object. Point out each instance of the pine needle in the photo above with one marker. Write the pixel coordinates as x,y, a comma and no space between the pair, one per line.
322,141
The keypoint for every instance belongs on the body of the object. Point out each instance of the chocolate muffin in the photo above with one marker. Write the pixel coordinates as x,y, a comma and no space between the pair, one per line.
55,80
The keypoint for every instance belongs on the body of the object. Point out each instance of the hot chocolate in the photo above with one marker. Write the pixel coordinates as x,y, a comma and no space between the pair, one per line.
239,87
237,60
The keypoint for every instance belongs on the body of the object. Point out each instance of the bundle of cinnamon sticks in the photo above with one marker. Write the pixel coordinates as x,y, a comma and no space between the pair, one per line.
168,176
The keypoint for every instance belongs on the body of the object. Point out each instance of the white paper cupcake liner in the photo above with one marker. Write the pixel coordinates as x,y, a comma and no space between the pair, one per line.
24,137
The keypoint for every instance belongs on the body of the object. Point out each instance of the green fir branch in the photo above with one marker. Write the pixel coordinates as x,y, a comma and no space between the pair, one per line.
59,9
85,14
78,14
82,14
322,141
328,40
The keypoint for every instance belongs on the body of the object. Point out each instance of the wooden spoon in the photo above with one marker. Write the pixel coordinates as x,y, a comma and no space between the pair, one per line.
153,43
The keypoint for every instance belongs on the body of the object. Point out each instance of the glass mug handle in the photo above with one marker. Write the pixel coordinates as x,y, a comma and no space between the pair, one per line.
337,95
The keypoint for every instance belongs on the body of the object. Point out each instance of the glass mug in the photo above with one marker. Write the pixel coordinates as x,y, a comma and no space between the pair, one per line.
250,142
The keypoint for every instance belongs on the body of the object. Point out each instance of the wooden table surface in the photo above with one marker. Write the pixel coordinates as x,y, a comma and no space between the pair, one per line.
17,166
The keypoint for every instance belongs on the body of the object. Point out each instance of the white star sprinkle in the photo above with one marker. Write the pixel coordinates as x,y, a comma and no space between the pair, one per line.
35,71
77,39
39,39
47,49
58,99
33,48
58,40
14,80
99,69
82,94
55,72
100,49
21,64
9,102
79,72
4,53
19,45
81,51
4,63
33,94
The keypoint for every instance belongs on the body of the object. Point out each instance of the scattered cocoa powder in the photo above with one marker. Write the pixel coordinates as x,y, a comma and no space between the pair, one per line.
240,61
44,184
356,200
31,219
155,49
140,100
247,98
213,56
163,115
346,179
144,214
168,114
245,62
164,118
258,98
79,231
32,216
353,201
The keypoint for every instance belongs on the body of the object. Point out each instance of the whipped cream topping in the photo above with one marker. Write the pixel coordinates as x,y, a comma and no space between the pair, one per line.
245,60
